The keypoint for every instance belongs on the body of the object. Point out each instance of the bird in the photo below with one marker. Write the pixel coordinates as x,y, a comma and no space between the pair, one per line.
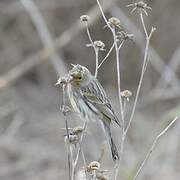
88,98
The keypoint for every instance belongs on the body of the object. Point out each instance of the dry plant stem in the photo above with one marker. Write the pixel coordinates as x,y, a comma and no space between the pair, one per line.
124,133
80,144
67,131
75,161
153,146
156,61
103,15
117,50
69,161
83,157
124,106
148,37
96,50
117,54
107,55
94,175
97,61
89,35
72,162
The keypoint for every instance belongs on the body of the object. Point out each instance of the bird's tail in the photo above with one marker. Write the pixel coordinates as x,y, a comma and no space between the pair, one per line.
113,148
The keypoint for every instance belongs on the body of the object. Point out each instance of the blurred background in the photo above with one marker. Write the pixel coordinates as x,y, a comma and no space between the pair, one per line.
39,39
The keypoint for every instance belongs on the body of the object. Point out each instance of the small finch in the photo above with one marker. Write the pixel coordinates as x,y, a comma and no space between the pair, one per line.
89,99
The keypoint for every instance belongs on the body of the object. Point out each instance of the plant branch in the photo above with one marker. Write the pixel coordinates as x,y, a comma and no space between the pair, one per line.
153,146
156,61
97,61
107,55
148,37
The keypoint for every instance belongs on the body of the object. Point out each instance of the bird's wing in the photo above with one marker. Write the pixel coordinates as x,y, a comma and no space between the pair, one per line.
95,94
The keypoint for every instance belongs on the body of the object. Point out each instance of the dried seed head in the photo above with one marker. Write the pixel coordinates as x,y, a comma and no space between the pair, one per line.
65,109
126,94
62,80
115,22
72,139
124,35
99,44
141,6
77,130
101,176
84,18
94,165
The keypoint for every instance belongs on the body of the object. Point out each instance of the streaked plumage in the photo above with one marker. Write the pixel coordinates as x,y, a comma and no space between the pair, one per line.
89,99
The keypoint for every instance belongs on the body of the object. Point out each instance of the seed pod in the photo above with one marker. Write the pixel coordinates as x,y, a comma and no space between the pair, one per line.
62,80
124,35
101,176
84,18
94,165
73,139
99,44
115,22
77,130
126,94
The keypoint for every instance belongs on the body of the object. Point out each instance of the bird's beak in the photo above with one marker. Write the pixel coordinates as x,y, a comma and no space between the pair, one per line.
70,78
73,65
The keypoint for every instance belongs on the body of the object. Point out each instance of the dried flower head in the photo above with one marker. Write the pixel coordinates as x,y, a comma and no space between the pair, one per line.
71,139
84,18
98,45
140,6
93,166
124,35
62,80
77,130
126,94
65,109
101,176
115,22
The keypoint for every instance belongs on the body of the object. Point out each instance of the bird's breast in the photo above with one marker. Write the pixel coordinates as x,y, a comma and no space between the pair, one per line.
85,109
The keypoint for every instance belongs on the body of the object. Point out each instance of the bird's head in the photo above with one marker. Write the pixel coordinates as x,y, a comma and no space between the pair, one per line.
79,75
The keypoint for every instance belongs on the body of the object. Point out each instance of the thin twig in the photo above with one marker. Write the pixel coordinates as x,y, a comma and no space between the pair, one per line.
153,146
103,15
107,55
89,35
117,50
117,53
148,37
80,143
67,130
143,24
156,61
97,61
72,162
96,50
